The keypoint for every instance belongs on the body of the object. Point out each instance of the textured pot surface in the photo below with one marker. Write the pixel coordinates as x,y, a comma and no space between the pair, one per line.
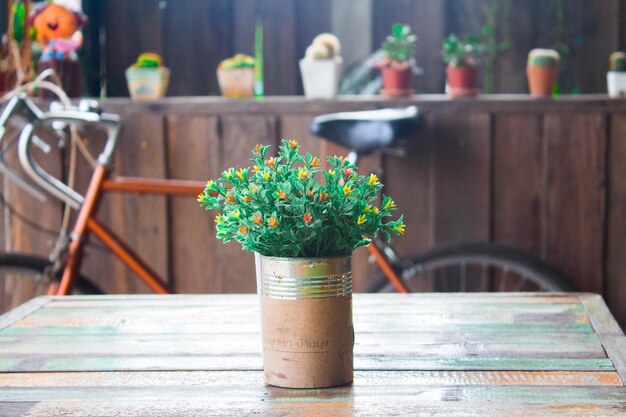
306,315
147,83
236,83
397,78
541,80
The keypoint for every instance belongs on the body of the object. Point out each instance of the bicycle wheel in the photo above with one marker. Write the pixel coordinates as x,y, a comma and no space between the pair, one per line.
22,278
474,266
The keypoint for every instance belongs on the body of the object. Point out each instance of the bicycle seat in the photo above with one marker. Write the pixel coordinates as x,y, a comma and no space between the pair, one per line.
365,131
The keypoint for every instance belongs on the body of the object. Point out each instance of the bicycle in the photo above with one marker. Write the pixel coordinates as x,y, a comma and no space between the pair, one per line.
60,273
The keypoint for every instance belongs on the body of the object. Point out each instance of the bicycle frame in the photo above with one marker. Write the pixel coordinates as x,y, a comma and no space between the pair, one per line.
100,183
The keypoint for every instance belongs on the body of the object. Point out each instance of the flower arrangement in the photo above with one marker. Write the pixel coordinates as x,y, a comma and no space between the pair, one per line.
278,208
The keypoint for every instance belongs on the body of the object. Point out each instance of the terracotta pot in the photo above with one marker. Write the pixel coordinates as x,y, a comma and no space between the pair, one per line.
541,80
397,78
236,83
306,316
462,77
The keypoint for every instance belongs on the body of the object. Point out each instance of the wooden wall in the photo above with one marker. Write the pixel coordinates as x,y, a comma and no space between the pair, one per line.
544,176
194,36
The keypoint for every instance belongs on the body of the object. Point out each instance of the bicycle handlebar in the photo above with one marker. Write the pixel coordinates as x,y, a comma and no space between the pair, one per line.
49,183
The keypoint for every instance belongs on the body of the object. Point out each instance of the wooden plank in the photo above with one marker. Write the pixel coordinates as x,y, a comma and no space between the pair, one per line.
132,27
518,176
190,30
191,144
576,158
239,135
10,317
616,221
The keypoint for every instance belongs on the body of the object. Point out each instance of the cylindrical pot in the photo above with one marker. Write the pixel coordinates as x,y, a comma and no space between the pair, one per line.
541,80
397,78
147,83
616,83
462,81
306,316
236,83
320,78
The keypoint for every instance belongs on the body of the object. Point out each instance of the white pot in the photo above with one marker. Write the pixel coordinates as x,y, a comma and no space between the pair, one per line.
616,83
321,77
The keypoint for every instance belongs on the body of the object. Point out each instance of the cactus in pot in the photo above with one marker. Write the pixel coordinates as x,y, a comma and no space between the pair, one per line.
321,67
542,71
236,76
616,77
147,78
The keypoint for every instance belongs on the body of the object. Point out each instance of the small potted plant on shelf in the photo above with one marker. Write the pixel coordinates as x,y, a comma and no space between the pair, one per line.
398,64
616,77
147,78
303,232
462,68
236,76
321,67
542,71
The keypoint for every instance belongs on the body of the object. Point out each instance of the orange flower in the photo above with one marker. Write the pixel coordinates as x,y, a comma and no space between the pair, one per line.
257,219
347,172
257,148
307,218
302,173
281,194
315,161
256,169
293,143
272,222
247,198
311,194
230,198
271,162
323,196
243,229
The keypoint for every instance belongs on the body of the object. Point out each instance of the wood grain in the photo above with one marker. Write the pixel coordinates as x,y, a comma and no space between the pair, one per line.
432,370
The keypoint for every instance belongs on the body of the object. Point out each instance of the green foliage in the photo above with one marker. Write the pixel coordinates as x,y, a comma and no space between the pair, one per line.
278,208
18,10
543,58
400,45
457,52
148,60
238,61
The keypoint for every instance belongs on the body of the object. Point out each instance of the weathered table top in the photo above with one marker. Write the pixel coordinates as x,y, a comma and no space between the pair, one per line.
434,354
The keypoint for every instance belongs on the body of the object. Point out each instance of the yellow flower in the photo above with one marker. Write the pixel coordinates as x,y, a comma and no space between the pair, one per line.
331,172
209,184
361,219
372,180
347,189
302,173
218,219
240,174
256,168
228,174
375,210
236,214
390,204
370,209
293,143
315,162
400,228
200,197
266,175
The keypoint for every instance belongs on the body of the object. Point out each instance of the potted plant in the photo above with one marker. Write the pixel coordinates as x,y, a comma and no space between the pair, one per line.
321,67
397,66
303,232
616,77
542,71
461,70
236,76
147,78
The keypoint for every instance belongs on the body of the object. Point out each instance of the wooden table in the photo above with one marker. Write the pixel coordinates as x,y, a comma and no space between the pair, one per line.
435,354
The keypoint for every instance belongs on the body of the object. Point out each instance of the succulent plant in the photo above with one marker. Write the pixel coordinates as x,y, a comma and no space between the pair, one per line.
324,46
543,58
400,45
238,61
618,62
457,52
148,60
